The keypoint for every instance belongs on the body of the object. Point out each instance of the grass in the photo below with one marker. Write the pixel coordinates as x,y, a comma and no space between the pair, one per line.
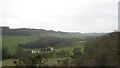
8,62
51,61
75,44
70,35
54,60
80,44
11,42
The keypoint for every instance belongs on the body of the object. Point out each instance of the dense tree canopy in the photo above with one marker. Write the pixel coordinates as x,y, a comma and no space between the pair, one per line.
102,50
49,42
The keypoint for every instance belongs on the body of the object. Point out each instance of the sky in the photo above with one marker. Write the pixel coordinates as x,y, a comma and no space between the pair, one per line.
60,15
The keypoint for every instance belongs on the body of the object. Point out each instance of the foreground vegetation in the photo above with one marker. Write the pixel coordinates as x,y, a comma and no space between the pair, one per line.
103,50
55,57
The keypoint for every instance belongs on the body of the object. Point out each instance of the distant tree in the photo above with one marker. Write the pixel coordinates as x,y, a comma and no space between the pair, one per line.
77,51
49,41
63,53
5,53
19,50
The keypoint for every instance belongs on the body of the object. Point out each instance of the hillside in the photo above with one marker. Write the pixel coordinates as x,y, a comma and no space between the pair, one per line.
27,31
102,51
11,42
86,49
12,37
43,33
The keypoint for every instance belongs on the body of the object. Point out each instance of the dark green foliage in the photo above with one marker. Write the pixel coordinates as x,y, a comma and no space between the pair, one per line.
32,60
78,61
77,52
19,51
41,33
49,42
65,62
62,53
5,53
26,31
102,50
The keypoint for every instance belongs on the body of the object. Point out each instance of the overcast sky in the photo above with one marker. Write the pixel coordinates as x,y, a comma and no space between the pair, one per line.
60,15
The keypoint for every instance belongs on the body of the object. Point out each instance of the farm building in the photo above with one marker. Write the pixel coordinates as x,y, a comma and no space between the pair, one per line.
42,50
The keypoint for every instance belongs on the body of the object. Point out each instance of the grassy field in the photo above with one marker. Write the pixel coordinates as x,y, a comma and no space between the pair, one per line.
8,62
51,61
12,41
70,35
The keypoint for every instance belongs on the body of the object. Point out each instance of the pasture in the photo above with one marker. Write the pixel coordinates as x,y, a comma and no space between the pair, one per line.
8,62
51,61
11,42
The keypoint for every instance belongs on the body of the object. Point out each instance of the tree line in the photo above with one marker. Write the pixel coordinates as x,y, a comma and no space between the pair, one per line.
27,31
49,42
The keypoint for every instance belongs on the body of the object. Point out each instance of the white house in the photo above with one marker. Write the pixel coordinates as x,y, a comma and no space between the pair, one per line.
35,51
51,48
43,50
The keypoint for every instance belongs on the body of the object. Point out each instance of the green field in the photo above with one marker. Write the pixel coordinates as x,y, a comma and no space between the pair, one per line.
70,48
12,41
51,61
70,35
8,62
